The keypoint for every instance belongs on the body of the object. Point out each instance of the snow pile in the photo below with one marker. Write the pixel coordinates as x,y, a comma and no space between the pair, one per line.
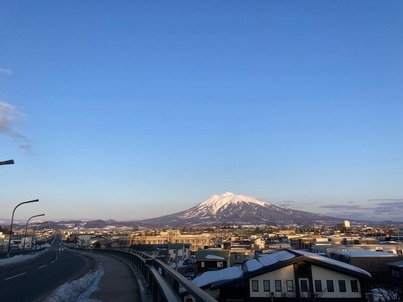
381,294
78,290
21,258
220,275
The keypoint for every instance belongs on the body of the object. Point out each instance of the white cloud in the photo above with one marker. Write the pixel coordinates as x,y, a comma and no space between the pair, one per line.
5,70
9,117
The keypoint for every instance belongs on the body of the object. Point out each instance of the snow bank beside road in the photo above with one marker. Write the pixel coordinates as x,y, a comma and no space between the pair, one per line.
78,290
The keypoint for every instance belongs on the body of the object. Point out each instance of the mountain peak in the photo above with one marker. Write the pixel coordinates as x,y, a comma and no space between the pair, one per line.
229,208
216,202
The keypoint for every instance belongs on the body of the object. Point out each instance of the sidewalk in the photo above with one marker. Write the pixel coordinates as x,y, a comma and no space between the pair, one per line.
120,283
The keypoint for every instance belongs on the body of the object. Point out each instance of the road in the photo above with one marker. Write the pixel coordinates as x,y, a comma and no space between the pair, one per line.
35,280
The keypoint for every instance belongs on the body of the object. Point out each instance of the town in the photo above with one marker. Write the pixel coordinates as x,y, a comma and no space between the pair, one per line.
278,262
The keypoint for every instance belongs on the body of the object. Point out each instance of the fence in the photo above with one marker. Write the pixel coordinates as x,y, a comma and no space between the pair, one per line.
163,283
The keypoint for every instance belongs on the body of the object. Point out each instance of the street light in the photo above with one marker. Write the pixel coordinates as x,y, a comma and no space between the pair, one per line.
26,227
12,220
7,162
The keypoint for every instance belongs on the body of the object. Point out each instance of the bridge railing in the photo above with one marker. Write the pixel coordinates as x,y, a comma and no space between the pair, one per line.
163,283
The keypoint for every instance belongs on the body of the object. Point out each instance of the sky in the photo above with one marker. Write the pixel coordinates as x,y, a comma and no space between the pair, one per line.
129,110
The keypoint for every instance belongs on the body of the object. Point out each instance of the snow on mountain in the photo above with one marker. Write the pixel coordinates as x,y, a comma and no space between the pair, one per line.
229,208
216,202
217,205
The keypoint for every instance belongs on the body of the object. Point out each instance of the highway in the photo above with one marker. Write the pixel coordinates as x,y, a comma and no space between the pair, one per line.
34,280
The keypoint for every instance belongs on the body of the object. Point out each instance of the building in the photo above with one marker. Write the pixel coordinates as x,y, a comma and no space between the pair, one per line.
288,275
196,241
373,262
211,260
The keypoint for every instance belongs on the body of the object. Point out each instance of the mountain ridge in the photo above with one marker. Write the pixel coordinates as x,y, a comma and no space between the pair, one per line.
218,210
229,208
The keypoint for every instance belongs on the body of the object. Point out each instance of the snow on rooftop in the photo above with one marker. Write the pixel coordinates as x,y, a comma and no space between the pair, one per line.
270,259
214,257
333,262
366,254
253,265
209,277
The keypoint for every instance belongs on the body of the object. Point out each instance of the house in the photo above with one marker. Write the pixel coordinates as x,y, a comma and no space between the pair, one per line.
238,256
211,259
240,250
288,275
371,261
178,251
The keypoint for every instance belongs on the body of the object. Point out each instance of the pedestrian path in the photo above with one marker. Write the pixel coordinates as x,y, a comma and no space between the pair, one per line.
120,283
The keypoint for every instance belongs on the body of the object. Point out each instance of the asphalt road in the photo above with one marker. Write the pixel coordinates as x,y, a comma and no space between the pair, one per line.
35,280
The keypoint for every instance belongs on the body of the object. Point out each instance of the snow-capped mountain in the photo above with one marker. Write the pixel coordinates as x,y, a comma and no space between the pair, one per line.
229,208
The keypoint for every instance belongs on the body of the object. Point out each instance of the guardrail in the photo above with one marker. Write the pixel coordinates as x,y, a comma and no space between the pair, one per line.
163,283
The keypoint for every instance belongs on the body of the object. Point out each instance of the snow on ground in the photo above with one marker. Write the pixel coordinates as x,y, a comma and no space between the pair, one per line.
22,258
381,295
78,290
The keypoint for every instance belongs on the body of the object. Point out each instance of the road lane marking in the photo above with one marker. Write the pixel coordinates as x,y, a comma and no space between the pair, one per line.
42,266
12,277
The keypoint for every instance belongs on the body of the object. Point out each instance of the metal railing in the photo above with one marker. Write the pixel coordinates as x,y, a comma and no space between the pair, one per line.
163,283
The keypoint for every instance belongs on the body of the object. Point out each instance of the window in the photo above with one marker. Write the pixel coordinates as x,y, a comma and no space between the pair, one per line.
290,285
354,285
330,286
342,286
304,285
277,284
266,285
255,285
318,285
202,264
220,264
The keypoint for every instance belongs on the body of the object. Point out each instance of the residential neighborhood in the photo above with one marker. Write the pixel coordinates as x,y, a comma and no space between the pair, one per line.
256,263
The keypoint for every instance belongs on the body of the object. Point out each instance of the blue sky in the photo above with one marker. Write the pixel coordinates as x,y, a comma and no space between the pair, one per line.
132,109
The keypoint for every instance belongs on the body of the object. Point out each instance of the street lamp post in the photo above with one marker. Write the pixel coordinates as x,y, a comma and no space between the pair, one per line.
12,220
7,162
26,227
